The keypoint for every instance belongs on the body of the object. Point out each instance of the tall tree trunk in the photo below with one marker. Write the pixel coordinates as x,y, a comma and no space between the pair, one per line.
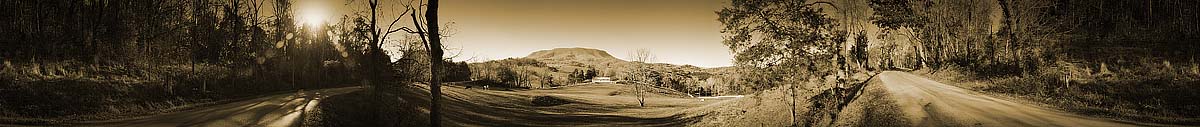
435,62
1006,26
792,92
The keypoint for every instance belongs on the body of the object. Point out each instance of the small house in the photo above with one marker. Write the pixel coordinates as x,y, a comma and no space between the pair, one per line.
602,80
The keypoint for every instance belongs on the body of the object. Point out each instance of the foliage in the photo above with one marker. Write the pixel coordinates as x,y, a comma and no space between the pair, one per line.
413,65
860,50
959,33
780,38
167,46
1078,53
519,73
895,14
583,75
73,91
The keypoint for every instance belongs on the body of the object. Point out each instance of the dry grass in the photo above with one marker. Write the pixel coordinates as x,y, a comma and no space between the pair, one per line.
1149,93
767,108
367,109
54,92
873,108
772,106
591,106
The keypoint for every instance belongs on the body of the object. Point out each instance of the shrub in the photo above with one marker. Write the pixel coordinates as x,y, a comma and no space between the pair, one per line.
1146,89
549,101
367,109
69,90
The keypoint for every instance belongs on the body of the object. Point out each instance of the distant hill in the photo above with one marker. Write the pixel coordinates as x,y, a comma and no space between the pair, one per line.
572,53
558,63
570,59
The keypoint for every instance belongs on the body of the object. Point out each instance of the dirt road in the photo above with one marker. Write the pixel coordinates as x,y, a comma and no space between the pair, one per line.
276,111
928,103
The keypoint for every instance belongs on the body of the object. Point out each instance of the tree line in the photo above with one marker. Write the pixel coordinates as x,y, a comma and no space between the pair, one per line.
242,44
778,38
1048,45
523,73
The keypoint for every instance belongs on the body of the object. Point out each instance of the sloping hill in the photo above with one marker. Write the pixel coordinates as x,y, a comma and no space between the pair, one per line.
572,53
570,59
555,66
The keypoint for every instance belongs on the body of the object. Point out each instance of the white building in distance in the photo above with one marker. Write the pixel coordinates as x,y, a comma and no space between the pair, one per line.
602,80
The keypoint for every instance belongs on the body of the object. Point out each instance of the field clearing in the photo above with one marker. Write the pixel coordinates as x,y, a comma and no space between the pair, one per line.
588,105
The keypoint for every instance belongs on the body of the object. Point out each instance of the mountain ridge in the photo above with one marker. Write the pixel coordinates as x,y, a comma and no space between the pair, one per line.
572,53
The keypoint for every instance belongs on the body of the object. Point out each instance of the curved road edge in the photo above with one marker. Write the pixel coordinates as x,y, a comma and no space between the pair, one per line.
903,99
275,110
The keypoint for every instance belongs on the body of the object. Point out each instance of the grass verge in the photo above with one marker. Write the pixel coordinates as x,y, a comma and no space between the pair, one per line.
1144,93
49,93
381,108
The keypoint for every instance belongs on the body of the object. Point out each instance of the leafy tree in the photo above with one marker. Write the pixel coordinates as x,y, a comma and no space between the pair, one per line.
579,75
509,76
860,49
590,73
894,16
781,40
575,77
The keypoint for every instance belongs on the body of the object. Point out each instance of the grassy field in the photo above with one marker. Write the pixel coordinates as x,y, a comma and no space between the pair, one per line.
772,107
767,108
586,105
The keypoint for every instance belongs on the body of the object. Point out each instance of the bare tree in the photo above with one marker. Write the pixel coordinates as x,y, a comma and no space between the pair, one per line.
433,46
642,57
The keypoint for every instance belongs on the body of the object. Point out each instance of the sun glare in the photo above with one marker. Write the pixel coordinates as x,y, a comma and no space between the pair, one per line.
312,14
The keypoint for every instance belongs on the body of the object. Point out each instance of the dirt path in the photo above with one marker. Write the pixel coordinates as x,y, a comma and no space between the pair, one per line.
276,111
928,103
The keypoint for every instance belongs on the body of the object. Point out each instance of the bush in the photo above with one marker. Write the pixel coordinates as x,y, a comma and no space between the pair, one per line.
75,91
1141,91
367,109
549,101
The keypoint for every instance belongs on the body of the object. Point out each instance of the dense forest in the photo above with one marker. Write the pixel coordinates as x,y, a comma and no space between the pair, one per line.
1090,54
103,59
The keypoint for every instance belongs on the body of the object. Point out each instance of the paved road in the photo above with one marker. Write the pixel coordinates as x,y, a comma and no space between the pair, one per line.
274,111
929,103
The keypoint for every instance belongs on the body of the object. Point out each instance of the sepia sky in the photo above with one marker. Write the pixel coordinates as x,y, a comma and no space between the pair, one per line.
677,31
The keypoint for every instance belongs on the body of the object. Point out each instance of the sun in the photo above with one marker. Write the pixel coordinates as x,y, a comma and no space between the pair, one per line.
312,15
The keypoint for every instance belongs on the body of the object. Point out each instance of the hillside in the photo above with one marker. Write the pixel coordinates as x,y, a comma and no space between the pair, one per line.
572,53
553,67
571,59
568,59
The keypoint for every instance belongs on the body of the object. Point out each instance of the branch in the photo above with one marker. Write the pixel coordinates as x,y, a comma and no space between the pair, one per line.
822,2
456,54
420,31
471,59
406,29
389,29
397,30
